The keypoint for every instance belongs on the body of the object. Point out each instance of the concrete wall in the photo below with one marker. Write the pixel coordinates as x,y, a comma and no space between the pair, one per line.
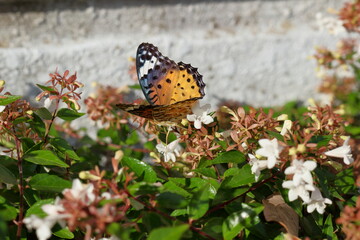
249,51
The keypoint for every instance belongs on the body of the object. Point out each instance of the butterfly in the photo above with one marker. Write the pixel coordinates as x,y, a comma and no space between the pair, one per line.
170,88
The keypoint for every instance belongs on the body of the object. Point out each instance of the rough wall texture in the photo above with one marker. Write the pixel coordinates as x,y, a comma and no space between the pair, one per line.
249,51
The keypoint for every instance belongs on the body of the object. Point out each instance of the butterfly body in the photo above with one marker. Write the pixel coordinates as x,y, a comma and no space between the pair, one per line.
170,88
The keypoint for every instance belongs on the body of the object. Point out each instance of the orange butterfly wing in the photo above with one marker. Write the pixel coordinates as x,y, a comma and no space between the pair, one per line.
170,88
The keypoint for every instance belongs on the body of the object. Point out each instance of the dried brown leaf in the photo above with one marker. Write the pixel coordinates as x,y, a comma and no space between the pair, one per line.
277,210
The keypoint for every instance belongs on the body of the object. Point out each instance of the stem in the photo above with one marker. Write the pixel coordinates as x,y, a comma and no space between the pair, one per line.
53,117
21,188
50,124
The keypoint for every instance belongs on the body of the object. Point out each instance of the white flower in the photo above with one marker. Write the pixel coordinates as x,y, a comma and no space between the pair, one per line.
332,25
110,238
356,55
286,127
317,202
269,149
301,191
301,171
200,115
342,152
344,71
169,151
2,108
42,226
257,165
50,105
81,191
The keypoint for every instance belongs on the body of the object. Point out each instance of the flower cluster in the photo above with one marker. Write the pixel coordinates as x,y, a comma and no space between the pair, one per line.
350,220
248,125
100,106
349,14
62,88
332,25
82,207
302,185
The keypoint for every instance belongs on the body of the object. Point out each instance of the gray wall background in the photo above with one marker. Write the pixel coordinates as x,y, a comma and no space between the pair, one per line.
252,51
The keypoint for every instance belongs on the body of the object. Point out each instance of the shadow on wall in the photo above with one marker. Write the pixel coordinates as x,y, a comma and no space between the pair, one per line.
48,5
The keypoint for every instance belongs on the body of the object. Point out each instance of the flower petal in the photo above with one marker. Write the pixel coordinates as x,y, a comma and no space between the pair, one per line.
191,117
271,162
348,159
207,119
197,124
310,165
310,208
339,152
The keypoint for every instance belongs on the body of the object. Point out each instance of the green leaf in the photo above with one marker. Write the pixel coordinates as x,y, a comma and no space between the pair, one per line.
171,200
7,99
321,141
46,88
116,229
44,157
4,233
199,203
49,183
7,212
235,177
141,169
31,196
179,212
27,143
173,187
44,113
69,114
135,86
63,232
37,125
36,208
153,220
213,227
166,233
344,181
353,130
233,224
207,172
190,184
328,228
62,146
132,138
227,157
310,227
6,176
276,135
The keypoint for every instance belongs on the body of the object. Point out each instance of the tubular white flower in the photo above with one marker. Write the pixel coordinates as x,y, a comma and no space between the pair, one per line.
169,151
332,25
302,171
200,115
286,127
81,191
301,191
50,105
257,165
270,149
42,226
342,152
318,202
